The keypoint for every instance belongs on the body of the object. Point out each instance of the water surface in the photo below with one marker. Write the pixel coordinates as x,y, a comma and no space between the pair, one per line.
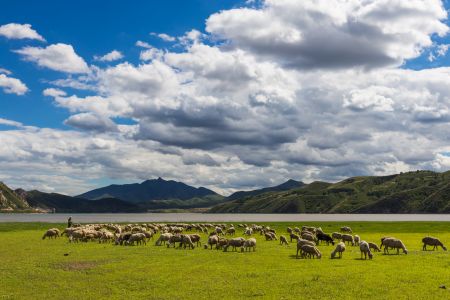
199,217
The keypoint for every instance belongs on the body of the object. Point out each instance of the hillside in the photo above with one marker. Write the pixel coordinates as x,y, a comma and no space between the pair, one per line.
66,204
10,200
288,185
155,189
412,192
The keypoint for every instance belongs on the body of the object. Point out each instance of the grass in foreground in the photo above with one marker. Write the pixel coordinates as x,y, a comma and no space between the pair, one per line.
33,268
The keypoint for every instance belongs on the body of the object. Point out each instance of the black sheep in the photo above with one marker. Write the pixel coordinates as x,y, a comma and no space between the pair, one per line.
324,237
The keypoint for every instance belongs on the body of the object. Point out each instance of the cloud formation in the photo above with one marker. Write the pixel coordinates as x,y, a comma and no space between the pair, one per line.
20,31
58,57
12,85
111,56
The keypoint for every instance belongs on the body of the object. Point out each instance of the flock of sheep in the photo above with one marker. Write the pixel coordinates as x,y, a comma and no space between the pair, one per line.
222,237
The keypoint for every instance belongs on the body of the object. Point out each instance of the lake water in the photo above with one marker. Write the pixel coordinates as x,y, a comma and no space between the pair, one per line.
199,217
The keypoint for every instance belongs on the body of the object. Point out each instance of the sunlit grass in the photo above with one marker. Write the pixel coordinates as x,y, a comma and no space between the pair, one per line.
33,268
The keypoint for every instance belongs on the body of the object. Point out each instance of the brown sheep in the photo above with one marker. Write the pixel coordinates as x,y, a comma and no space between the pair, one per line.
51,233
432,241
283,240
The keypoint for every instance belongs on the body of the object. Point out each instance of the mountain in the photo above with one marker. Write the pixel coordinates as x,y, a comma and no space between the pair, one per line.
288,185
10,200
155,189
67,204
411,192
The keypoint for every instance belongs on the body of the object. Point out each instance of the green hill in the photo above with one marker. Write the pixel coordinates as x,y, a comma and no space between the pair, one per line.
10,200
411,192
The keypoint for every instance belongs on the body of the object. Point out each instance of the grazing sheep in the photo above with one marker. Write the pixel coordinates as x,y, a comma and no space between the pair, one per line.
357,239
235,243
173,240
289,230
302,242
195,238
213,240
308,236
270,236
283,240
310,251
248,231
293,236
394,244
374,247
248,244
297,230
186,241
163,238
383,238
231,231
365,249
340,247
221,243
336,236
123,237
346,229
138,238
348,238
51,233
432,241
324,237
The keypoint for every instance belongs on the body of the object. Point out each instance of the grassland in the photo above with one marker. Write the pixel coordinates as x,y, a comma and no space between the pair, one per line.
32,268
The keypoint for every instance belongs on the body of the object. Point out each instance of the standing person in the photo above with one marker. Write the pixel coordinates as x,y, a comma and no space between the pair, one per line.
69,222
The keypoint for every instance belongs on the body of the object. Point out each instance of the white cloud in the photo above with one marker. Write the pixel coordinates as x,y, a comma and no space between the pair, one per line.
164,36
333,34
111,56
143,44
20,31
5,71
10,123
52,92
12,85
58,57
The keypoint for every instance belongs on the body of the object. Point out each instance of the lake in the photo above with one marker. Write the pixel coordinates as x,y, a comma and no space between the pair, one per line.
199,217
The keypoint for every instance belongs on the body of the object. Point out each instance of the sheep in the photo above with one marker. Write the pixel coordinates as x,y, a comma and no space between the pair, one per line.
186,241
357,239
51,233
302,242
123,237
308,236
163,238
195,238
310,251
289,230
293,236
106,236
432,241
221,243
324,237
393,243
235,242
340,247
336,236
365,249
173,239
219,230
231,231
137,238
213,240
374,247
270,236
348,238
248,231
346,229
76,235
283,240
383,238
248,244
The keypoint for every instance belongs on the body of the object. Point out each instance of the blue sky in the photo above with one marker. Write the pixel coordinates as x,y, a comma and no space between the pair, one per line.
95,29
224,94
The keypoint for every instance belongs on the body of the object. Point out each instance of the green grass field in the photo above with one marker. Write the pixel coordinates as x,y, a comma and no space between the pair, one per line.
32,268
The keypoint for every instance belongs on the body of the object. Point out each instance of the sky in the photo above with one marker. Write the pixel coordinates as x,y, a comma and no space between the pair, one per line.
229,95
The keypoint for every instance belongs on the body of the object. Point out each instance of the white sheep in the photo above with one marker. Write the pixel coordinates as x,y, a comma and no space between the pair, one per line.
374,247
356,239
348,238
302,242
283,240
365,250
163,238
336,235
310,251
248,244
51,233
393,243
340,247
346,229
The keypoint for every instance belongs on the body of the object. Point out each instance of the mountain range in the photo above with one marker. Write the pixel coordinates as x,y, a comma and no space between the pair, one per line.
410,192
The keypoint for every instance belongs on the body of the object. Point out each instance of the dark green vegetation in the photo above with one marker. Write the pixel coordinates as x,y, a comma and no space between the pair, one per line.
412,192
155,189
33,268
